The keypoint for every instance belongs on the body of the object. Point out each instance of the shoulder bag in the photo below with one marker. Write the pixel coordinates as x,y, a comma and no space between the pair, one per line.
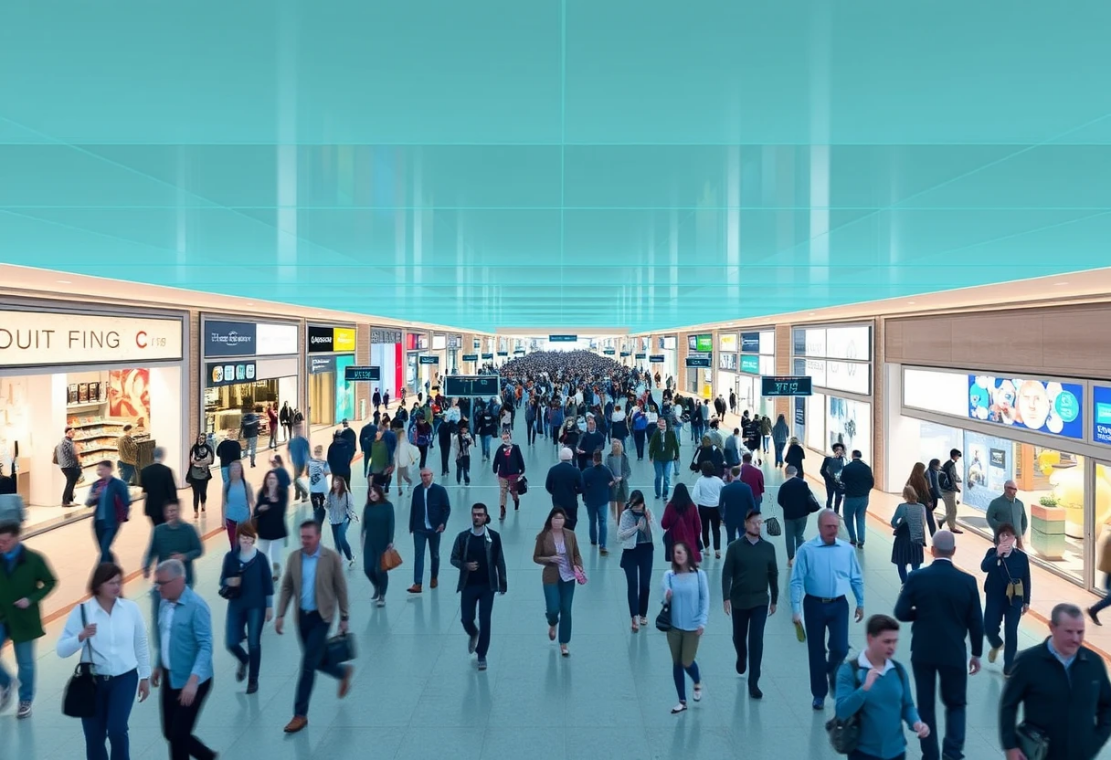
663,620
844,733
773,526
390,560
79,697
1033,741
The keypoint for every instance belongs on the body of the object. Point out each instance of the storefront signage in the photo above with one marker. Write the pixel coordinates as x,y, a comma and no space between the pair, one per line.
429,360
624,353
248,338
656,359
275,339
750,343
750,364
30,338
639,357
470,357
230,374
562,338
321,364
609,352
701,343
791,385
361,374
503,353
383,335
1101,422
699,361
1045,407
331,339
727,342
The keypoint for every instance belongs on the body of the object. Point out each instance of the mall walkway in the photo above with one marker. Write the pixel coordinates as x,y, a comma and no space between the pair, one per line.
417,695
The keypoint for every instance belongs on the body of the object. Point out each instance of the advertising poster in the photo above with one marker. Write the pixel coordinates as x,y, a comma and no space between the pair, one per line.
800,418
848,422
345,391
1047,407
988,463
129,396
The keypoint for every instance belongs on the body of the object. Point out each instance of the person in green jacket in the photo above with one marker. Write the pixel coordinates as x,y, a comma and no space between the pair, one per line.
663,451
25,580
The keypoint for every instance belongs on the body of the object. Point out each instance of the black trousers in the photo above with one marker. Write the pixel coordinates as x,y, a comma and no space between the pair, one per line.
483,598
178,721
711,521
73,474
954,695
748,640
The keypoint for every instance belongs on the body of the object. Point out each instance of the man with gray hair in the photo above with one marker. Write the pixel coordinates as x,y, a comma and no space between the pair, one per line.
1064,692
942,604
159,486
1008,510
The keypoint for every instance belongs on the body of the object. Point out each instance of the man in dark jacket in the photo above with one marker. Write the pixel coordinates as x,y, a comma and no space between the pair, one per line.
597,480
339,458
831,475
1064,692
750,590
797,501
428,516
367,435
592,440
350,439
857,482
25,580
159,486
565,483
477,552
942,604
735,502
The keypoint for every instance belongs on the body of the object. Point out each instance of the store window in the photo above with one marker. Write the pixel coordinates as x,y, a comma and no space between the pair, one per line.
1102,518
225,406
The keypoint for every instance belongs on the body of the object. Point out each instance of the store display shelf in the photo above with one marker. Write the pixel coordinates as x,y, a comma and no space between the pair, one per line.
98,449
94,423
86,405
96,437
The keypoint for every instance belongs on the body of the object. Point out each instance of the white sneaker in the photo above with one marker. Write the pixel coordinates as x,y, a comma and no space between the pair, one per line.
351,563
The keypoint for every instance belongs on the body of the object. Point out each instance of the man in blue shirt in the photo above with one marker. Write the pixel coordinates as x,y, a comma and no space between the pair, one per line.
826,570
112,500
299,455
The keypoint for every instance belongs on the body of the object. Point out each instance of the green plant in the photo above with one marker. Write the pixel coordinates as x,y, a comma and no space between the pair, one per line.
1048,501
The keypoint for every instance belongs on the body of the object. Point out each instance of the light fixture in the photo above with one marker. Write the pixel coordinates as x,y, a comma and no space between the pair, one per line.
910,302
64,282
1060,283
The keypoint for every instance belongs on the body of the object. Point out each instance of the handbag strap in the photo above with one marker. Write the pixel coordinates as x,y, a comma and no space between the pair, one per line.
88,642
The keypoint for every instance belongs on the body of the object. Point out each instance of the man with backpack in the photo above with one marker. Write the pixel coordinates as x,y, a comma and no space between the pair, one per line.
949,480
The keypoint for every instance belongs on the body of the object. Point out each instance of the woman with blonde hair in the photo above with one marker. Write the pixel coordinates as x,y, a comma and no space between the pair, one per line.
909,522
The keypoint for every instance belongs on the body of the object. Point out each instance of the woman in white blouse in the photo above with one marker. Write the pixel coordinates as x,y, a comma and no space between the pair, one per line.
109,632
707,495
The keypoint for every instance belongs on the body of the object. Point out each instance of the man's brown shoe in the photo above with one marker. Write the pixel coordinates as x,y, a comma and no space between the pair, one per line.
297,724
415,588
435,583
345,682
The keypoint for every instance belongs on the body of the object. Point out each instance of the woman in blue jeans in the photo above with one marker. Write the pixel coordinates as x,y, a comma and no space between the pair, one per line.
557,550
340,511
246,583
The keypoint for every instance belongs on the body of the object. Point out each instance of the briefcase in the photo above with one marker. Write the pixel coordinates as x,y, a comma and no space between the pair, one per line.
341,648
1033,741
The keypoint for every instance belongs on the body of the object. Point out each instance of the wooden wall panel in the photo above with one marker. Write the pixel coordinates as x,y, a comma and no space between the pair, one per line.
194,368
363,391
783,367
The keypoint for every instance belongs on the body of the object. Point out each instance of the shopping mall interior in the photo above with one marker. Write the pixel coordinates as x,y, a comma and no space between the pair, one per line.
884,225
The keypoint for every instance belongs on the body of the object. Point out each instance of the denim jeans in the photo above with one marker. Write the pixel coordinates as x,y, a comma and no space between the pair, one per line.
1105,602
432,539
483,597
597,518
105,533
339,535
779,453
245,622
313,632
463,469
25,666
114,699
819,618
663,473
485,439
557,599
252,449
856,507
637,564
792,534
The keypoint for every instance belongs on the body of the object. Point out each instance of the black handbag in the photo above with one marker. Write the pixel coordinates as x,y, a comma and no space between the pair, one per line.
1033,741
663,620
79,697
341,648
522,485
844,733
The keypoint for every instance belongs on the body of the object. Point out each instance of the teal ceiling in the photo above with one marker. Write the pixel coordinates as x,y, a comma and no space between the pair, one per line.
556,163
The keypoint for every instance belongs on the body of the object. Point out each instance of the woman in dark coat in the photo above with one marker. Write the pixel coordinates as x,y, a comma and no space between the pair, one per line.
795,455
708,452
378,533
270,520
1006,594
201,458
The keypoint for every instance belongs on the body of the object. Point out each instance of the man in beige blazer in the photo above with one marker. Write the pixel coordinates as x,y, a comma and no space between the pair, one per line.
314,578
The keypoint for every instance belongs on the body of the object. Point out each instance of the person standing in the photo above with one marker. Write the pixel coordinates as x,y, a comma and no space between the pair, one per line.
750,590
557,549
1006,594
687,591
477,553
942,604
831,476
856,483
272,424
428,516
160,487
826,570
663,452
735,501
949,480
201,459
377,534
112,501
270,508
184,658
238,500
780,433
1064,692
754,477
509,466
797,501
110,633
246,583
25,580
875,688
285,417
65,456
341,509
314,580
592,440
1008,509
249,429
228,451
366,439
318,471
298,448
635,534
127,454
597,483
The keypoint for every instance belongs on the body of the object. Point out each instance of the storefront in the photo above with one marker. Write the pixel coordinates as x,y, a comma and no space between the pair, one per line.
331,349
386,354
838,359
417,374
248,366
757,358
699,379
666,346
97,371
726,379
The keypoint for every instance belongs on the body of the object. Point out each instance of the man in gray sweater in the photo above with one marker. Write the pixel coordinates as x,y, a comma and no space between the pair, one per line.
750,588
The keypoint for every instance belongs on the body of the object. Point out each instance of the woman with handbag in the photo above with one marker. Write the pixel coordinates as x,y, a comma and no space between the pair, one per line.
270,520
201,457
246,583
340,511
461,443
1006,594
557,549
686,592
237,502
635,534
909,522
103,689
378,552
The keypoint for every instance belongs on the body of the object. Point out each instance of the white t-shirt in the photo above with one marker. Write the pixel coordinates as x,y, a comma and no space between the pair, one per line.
318,476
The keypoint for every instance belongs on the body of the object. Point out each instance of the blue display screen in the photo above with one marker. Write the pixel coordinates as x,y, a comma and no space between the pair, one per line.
1045,406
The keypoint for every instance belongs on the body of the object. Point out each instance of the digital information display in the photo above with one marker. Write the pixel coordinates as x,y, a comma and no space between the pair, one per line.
785,386
470,385
362,374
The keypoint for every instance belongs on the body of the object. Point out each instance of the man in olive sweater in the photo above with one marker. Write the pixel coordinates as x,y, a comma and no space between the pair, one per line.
750,588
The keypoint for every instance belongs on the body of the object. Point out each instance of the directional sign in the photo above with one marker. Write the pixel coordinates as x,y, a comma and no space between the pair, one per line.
470,357
470,385
797,385
362,374
563,338
429,360
487,356
656,359
699,361
640,356
609,351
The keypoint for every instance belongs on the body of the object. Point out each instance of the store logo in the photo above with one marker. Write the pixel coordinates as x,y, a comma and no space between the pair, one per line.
232,338
318,365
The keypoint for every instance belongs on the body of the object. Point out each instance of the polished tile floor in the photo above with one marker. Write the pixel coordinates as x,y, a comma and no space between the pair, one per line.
418,695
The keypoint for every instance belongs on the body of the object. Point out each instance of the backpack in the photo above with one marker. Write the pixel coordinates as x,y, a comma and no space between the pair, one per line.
56,459
844,733
945,478
640,422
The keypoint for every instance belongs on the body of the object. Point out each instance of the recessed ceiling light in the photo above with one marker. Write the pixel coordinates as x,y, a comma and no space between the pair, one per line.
811,314
1060,283
910,302
64,282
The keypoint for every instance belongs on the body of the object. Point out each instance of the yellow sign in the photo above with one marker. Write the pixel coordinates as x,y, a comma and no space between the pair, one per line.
343,340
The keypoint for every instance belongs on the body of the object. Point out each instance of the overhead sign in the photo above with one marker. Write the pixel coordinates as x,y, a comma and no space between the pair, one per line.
362,374
656,359
750,364
487,356
624,353
787,385
609,351
519,351
331,339
318,365
563,338
470,385
384,335
699,361
470,357
275,339
503,353
36,338
248,338
640,356
218,374
429,360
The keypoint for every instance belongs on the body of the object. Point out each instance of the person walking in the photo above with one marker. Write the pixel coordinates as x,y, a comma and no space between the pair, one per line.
285,418
797,501
65,456
826,571
509,466
246,582
1006,594
754,477
238,500
780,433
794,456
201,459
681,523
875,688
943,605
856,483
173,539
909,522
477,552
25,580
597,484
1064,693
298,449
227,451
949,480
314,580
687,592
618,464
640,431
339,458
183,659
341,510
663,452
377,539
159,487
404,456
127,454
270,511
557,549
318,470
249,429
707,495
920,480
750,590
565,482
1104,566
735,501
111,499
428,516
272,421
637,548
111,635
831,476
1008,509
461,444
366,439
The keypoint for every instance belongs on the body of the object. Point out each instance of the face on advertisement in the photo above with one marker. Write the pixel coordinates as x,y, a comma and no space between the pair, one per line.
1033,404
